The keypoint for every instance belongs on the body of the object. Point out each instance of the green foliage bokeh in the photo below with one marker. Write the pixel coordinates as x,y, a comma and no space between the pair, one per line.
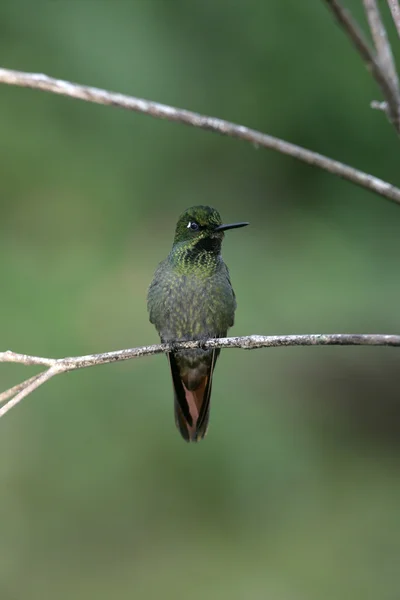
295,491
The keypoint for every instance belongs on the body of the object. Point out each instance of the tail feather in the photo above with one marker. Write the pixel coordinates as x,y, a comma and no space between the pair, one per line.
192,406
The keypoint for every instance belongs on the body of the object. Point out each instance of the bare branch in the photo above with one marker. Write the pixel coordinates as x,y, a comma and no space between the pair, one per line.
376,105
356,36
162,111
28,389
395,10
381,42
24,359
250,342
17,388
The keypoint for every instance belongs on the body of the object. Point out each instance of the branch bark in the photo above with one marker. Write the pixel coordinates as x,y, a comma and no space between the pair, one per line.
395,10
14,395
163,111
356,36
381,42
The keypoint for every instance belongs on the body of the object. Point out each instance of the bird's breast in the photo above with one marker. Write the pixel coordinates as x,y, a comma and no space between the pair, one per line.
186,307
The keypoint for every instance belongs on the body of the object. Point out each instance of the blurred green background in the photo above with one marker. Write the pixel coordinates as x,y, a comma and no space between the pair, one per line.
295,492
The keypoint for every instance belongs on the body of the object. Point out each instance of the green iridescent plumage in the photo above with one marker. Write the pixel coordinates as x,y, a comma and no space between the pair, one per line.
191,298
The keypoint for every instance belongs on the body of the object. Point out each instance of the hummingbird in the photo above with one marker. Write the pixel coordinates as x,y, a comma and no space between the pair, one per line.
191,298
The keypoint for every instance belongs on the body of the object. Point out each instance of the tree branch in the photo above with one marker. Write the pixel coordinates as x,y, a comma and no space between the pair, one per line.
381,42
17,388
395,10
356,36
27,387
250,342
162,111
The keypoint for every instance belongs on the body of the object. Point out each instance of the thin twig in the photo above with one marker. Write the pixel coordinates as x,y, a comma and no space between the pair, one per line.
25,359
250,342
395,10
381,42
38,381
162,111
17,388
376,105
356,36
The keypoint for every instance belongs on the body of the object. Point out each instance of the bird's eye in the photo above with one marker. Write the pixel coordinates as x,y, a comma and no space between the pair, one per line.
193,226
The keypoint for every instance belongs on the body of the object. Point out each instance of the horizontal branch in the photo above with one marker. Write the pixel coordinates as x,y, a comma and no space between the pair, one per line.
61,365
163,111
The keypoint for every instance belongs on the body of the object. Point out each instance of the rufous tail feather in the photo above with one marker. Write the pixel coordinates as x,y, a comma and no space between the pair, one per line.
192,407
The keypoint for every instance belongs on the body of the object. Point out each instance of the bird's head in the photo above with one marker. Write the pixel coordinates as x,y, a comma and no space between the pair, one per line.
201,228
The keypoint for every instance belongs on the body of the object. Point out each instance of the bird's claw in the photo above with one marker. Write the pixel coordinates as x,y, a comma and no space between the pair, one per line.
174,347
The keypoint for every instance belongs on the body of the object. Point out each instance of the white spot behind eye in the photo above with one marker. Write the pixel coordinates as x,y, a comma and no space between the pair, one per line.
189,224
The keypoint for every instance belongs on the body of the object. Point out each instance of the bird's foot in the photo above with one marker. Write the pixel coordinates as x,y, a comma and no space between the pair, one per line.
174,347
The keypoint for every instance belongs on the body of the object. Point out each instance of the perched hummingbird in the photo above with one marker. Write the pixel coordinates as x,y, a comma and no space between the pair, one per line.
191,298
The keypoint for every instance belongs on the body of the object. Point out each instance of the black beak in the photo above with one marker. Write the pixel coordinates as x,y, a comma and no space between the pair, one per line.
231,226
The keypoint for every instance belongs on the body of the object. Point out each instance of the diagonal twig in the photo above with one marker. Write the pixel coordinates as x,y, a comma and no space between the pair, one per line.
250,342
17,388
395,10
163,111
381,42
28,389
356,36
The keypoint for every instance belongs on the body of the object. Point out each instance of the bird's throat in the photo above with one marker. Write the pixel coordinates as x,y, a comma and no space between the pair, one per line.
200,256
